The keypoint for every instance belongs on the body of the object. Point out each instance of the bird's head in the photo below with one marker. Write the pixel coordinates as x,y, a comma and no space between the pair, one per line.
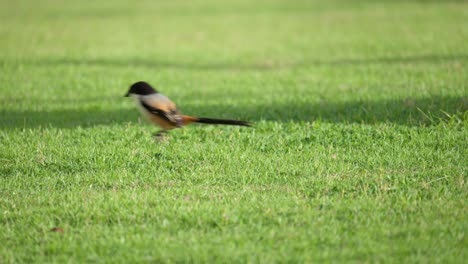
140,88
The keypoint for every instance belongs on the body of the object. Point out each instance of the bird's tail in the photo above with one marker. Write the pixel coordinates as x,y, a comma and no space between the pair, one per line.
203,120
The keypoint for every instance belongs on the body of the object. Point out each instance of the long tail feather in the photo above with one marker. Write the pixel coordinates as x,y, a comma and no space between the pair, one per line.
222,122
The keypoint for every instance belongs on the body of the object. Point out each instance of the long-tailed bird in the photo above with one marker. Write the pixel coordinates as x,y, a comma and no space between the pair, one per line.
163,112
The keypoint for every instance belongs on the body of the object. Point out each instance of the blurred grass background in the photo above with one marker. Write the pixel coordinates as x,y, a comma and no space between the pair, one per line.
358,154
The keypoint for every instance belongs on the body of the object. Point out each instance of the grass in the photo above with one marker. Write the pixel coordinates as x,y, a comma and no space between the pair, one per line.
358,154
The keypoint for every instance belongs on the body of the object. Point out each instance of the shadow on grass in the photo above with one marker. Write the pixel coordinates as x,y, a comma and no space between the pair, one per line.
410,112
226,66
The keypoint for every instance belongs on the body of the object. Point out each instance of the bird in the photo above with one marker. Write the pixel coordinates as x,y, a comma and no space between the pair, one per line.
161,111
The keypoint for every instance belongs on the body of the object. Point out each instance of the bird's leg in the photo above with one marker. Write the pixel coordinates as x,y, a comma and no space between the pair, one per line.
160,136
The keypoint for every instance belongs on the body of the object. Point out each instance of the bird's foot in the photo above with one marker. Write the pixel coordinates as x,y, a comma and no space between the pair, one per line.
161,136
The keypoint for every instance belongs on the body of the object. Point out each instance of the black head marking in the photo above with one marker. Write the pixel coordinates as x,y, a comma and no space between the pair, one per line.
141,88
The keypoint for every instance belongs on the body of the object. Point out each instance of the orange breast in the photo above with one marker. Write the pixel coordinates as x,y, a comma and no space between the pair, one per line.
161,122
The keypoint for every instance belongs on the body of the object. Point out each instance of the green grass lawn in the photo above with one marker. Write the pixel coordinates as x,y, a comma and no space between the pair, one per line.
359,151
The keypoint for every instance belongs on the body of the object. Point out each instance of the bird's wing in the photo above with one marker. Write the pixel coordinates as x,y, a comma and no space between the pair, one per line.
163,108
